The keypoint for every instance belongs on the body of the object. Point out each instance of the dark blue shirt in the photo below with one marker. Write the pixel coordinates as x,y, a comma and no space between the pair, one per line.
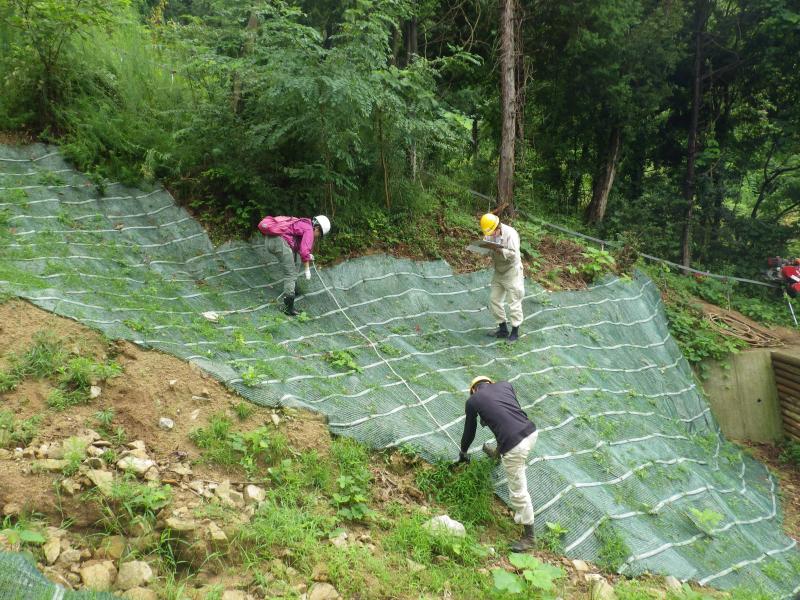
497,406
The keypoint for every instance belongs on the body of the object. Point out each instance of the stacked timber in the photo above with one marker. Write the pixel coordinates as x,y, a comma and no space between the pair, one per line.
787,378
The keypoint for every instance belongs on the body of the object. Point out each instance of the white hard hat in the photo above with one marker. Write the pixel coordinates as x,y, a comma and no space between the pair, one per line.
323,222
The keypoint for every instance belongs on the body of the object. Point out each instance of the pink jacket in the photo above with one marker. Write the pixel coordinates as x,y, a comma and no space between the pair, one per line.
296,232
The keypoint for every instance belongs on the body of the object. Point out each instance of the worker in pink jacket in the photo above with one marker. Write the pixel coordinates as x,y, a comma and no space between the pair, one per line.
286,239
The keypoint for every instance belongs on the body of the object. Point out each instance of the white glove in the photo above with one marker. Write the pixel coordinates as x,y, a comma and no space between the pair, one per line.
308,272
310,258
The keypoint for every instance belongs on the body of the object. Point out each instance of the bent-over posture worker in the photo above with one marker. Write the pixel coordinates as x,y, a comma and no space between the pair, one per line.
509,279
288,237
497,406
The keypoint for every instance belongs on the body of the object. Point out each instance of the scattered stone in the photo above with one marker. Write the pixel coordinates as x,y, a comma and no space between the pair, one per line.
95,391
215,533
70,486
580,566
254,494
113,547
195,414
228,496
672,583
69,556
12,509
140,526
54,450
197,486
98,576
443,523
140,593
414,567
52,465
323,591
320,573
132,574
602,590
51,549
179,524
166,423
173,383
276,420
103,480
340,541
234,595
152,474
29,452
6,454
94,462
138,465
137,445
180,469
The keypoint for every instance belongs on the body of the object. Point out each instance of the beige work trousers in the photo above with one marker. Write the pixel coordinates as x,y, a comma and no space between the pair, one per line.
511,285
514,462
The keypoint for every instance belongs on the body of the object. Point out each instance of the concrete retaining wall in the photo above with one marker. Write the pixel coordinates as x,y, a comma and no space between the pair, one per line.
744,397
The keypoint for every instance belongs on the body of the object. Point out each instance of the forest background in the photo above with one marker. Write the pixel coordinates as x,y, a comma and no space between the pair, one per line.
672,126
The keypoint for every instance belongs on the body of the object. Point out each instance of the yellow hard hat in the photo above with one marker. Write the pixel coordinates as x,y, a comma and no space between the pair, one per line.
477,380
489,223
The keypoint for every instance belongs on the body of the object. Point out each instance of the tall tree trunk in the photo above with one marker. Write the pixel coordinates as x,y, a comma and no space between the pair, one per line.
475,140
701,18
252,26
604,179
412,39
520,77
505,174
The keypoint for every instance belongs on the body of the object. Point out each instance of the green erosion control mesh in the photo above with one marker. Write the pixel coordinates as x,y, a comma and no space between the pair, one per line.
628,446
19,580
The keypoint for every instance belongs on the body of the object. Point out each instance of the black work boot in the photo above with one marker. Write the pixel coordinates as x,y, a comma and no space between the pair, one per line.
502,331
514,334
526,541
288,306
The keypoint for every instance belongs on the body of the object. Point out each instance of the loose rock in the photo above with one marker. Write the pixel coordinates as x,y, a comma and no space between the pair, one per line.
51,549
323,591
112,547
140,593
254,494
103,480
228,496
602,590
133,574
166,423
138,465
580,566
444,523
98,576
95,391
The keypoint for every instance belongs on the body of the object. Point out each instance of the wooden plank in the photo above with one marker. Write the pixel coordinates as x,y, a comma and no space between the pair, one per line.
787,371
790,417
785,358
789,422
793,436
789,387
792,406
793,411
792,431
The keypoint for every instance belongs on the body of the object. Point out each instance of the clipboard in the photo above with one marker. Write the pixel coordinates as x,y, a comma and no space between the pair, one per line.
490,245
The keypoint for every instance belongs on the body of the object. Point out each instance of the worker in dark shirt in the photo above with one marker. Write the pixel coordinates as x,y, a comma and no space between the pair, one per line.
497,406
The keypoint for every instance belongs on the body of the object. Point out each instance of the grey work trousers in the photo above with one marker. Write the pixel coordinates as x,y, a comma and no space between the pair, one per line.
287,262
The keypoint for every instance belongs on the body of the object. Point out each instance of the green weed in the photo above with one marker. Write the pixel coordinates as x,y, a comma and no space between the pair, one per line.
249,450
467,493
553,537
74,454
130,499
21,532
410,538
243,410
104,418
705,520
536,578
613,549
342,359
13,431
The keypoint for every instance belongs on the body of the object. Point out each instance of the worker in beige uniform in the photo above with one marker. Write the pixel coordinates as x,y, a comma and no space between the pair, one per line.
508,281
